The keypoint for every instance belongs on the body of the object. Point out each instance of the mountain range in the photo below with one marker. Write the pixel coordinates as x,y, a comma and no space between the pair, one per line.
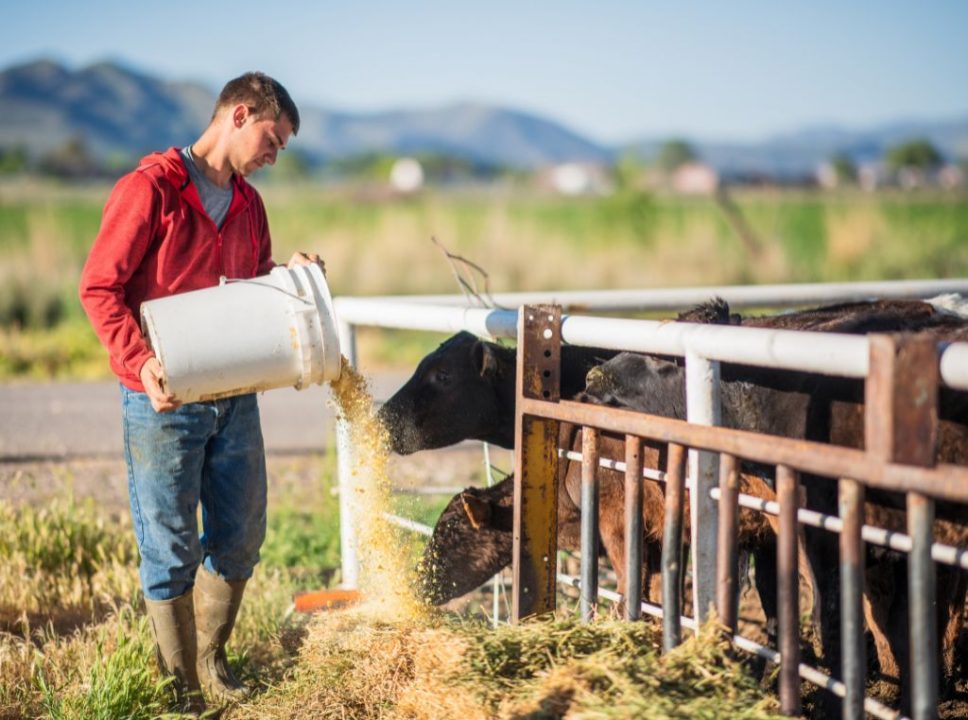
122,113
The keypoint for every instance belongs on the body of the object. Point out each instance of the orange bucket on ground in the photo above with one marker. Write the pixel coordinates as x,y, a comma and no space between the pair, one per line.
314,600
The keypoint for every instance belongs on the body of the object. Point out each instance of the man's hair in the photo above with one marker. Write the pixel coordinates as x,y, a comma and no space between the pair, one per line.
262,95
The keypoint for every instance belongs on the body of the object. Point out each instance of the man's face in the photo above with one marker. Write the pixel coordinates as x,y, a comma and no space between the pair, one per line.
257,140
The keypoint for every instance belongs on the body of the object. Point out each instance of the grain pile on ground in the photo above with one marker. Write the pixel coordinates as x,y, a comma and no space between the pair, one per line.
353,666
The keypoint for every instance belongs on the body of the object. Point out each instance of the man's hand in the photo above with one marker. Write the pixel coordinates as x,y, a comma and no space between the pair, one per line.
306,259
161,399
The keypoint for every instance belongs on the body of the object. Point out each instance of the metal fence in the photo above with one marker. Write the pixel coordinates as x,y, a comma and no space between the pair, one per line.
713,460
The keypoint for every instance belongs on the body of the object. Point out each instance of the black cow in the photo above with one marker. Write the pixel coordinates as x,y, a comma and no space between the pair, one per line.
465,390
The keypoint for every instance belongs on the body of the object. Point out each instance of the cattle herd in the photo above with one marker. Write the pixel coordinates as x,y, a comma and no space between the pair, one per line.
466,390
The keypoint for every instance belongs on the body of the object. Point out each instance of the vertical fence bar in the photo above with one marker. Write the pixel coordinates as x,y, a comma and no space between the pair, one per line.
788,590
497,583
851,502
703,407
672,547
727,592
902,426
633,527
349,559
922,580
589,523
535,531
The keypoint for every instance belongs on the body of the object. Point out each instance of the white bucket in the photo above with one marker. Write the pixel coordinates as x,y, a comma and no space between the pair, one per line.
244,336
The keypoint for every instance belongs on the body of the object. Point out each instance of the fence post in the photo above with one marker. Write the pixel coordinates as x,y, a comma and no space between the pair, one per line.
788,589
672,547
703,407
535,548
633,527
902,427
727,582
349,561
589,523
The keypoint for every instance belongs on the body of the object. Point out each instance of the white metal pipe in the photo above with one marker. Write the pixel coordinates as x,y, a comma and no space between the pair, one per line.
828,353
497,583
617,465
349,559
736,295
703,407
612,596
947,554
402,313
832,354
954,365
408,524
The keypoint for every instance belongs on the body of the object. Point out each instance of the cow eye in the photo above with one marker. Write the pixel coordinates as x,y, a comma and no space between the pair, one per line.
441,376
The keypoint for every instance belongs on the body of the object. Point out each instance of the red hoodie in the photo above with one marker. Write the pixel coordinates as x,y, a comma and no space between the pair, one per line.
155,240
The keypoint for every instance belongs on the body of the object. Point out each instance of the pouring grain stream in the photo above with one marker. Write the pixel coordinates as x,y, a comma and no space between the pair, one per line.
386,578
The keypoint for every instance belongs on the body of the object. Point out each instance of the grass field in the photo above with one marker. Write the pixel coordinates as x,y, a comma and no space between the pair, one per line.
524,241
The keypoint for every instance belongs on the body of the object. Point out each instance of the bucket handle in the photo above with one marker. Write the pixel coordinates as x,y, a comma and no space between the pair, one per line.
225,281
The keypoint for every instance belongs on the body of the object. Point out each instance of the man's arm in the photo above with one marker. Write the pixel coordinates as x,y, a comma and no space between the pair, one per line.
128,226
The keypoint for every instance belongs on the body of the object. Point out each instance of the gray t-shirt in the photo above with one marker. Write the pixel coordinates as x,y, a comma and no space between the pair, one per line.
215,200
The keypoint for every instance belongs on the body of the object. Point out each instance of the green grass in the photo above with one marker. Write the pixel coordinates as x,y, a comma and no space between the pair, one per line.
524,241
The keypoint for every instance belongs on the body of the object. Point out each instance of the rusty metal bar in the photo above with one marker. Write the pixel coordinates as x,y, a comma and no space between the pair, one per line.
901,425
589,524
901,398
727,592
788,590
943,482
922,584
535,530
672,547
633,527
851,503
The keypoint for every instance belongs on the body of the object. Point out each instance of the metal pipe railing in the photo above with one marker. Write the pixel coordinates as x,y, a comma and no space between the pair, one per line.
738,296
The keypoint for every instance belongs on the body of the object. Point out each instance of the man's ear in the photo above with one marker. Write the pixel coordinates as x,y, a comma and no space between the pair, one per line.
478,511
486,360
239,113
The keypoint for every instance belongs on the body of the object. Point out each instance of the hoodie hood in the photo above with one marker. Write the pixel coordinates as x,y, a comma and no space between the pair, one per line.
169,164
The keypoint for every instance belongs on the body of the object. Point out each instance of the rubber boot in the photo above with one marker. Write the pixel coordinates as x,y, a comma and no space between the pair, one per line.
216,606
173,624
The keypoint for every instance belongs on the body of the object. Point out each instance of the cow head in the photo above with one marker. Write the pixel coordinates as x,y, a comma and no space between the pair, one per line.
639,382
463,389
471,542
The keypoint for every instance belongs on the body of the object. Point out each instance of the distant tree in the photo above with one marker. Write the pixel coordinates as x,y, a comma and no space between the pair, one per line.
13,160
366,166
918,154
628,173
675,153
844,169
70,160
291,166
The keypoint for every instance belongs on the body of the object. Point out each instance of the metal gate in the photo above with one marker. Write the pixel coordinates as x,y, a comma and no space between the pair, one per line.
901,422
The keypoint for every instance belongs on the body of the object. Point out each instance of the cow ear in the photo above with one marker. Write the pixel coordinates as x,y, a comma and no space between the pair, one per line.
478,511
487,360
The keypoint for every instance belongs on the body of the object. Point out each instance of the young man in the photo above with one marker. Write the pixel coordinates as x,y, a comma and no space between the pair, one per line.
179,222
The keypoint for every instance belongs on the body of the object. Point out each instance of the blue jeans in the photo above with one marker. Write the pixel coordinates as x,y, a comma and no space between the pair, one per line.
208,452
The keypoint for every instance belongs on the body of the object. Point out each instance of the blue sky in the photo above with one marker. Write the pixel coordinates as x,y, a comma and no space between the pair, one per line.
612,70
